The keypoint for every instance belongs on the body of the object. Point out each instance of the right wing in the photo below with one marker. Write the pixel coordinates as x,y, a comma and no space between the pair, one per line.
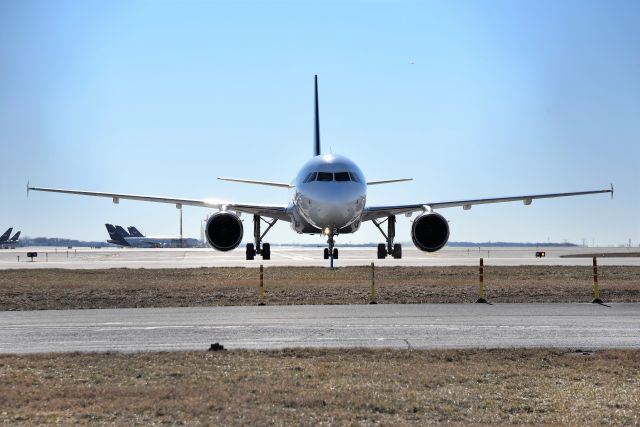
254,181
276,212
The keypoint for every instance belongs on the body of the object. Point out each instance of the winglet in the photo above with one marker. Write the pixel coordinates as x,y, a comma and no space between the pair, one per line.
27,188
316,134
612,191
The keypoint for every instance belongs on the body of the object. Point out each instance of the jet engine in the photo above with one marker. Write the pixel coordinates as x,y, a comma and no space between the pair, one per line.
224,231
430,232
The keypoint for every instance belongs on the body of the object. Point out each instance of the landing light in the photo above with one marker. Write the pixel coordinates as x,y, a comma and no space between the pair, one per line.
327,231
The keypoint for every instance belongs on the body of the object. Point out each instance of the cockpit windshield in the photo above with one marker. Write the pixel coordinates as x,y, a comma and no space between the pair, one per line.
331,176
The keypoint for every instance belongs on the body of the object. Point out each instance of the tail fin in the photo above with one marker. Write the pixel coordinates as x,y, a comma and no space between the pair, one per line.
316,148
115,237
134,232
6,235
15,237
122,232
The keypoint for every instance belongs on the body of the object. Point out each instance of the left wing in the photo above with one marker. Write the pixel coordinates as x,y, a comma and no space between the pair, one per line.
276,212
389,181
375,212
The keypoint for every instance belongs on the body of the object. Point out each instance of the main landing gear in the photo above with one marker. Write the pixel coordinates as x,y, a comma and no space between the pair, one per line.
259,248
389,248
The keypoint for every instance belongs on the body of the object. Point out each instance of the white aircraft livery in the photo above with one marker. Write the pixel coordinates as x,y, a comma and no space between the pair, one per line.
330,198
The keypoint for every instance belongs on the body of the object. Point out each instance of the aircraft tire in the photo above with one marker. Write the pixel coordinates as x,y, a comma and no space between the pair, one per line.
266,251
382,251
397,251
251,252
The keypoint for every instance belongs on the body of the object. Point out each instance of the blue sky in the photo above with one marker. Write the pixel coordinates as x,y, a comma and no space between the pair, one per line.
471,99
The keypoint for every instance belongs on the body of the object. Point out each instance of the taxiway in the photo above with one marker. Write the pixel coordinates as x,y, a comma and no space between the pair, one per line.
87,258
429,326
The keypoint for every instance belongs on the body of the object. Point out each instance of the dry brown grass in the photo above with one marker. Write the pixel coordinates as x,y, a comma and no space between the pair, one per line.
119,288
388,387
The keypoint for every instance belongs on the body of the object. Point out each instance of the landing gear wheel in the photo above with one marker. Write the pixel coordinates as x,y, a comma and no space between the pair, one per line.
397,251
326,253
335,253
382,251
251,252
266,251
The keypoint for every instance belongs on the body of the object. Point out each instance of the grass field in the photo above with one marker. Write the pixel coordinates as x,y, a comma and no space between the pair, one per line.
323,386
119,288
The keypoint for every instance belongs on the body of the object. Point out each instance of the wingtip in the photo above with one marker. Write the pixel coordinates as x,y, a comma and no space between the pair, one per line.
28,188
612,191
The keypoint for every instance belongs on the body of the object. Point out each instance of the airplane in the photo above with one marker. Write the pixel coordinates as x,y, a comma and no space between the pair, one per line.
120,237
134,232
330,194
10,243
115,237
122,232
6,235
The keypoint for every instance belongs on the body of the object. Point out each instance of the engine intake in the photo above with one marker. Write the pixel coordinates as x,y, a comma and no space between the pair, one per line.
430,232
224,231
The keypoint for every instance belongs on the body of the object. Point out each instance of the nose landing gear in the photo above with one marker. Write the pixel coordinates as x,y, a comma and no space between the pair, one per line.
259,248
389,248
331,252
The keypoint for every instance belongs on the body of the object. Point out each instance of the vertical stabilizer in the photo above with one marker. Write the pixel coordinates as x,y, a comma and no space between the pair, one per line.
316,145
15,237
115,237
122,232
6,235
134,232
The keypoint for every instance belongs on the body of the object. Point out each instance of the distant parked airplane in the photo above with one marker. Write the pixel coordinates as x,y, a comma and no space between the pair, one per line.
5,236
135,239
329,198
10,243
134,232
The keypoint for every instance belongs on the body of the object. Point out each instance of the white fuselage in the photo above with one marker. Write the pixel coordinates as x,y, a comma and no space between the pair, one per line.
330,196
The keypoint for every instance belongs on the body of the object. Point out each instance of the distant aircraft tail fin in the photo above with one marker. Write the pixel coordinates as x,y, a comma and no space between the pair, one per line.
115,237
15,237
6,235
122,232
134,232
316,134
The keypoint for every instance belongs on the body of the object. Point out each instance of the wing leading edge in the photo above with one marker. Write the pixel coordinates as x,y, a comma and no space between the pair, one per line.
382,211
277,212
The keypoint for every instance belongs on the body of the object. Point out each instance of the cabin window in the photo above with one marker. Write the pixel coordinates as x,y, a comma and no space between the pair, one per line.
325,176
310,177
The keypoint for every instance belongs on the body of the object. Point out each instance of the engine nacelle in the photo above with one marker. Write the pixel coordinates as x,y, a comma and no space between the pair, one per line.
430,232
224,231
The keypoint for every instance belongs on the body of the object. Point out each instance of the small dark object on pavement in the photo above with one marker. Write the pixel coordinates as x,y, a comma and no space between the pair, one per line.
216,347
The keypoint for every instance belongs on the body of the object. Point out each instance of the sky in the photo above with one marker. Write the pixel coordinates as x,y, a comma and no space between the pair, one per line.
471,99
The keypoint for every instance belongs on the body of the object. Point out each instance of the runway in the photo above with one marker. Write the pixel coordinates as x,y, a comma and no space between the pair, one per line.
87,258
425,326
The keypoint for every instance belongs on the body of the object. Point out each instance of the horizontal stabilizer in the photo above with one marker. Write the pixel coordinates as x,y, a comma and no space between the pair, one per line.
389,181
253,181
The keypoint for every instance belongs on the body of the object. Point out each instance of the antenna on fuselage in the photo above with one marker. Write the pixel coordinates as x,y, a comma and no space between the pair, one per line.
316,146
